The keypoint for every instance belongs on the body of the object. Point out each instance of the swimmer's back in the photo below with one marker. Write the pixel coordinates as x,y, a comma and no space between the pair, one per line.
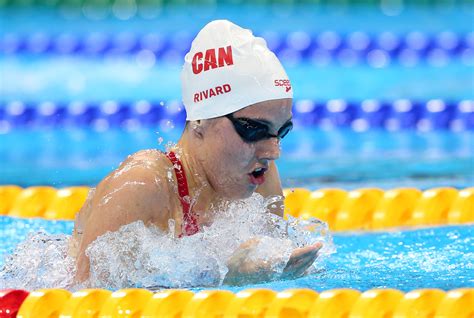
140,189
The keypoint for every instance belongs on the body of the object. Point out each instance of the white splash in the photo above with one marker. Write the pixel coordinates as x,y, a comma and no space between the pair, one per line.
41,261
143,256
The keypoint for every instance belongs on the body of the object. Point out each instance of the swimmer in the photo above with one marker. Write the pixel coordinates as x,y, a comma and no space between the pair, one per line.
238,101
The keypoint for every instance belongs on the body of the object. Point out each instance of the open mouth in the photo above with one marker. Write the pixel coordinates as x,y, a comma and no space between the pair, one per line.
258,172
257,176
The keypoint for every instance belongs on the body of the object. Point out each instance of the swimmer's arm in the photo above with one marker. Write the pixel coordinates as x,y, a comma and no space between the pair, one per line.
272,187
123,198
245,270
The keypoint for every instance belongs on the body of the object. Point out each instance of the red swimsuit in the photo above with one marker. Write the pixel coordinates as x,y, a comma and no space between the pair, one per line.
190,224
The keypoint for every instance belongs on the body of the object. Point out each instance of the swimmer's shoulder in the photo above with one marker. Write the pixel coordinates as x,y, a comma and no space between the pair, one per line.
150,162
138,185
136,190
150,157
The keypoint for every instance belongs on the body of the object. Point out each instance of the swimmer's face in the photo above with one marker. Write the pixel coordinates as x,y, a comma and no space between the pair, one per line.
232,163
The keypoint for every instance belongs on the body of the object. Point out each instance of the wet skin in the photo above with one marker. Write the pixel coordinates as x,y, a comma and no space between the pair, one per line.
217,163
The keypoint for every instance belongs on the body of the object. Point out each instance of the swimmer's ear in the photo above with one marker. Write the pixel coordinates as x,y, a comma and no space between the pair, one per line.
196,127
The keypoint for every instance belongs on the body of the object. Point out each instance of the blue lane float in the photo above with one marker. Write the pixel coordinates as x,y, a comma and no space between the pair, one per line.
355,46
367,114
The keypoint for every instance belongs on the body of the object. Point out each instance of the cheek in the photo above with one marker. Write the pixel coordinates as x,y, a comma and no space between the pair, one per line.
236,153
229,159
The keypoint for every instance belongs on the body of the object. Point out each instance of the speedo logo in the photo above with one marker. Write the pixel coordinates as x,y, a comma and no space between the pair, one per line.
283,82
212,58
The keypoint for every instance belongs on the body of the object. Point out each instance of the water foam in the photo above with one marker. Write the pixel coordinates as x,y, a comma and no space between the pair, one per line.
41,261
139,255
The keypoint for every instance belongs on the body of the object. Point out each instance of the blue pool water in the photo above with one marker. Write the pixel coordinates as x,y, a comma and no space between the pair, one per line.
438,257
442,73
75,78
189,19
313,156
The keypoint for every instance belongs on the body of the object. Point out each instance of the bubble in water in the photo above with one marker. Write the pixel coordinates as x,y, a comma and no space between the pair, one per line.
169,146
274,199
187,199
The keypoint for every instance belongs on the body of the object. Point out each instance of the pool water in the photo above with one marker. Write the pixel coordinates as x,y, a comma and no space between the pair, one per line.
107,54
421,66
437,257
311,157
77,78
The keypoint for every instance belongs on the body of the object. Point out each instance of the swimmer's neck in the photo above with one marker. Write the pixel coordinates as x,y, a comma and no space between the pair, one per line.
202,193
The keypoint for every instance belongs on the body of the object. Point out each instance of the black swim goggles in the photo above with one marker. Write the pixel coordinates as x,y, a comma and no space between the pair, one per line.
252,131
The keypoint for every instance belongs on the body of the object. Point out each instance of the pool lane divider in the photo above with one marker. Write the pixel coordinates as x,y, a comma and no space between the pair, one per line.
265,303
400,114
346,48
359,209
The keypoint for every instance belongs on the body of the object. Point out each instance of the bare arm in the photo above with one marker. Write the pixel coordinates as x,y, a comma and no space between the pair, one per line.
131,193
272,187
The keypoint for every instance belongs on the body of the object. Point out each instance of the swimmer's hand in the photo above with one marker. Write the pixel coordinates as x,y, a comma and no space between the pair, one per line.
243,270
300,260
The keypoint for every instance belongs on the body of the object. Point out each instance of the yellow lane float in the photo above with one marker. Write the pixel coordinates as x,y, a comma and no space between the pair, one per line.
263,303
359,209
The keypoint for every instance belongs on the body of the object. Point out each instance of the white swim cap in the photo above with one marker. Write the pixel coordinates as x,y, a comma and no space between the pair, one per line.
228,69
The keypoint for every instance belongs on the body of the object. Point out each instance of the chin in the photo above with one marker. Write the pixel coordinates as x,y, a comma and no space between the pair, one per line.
239,194
249,192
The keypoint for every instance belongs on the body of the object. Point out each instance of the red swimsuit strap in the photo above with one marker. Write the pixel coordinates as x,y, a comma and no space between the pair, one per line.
190,224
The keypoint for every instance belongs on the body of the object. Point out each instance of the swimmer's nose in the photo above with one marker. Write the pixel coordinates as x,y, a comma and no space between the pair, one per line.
269,149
